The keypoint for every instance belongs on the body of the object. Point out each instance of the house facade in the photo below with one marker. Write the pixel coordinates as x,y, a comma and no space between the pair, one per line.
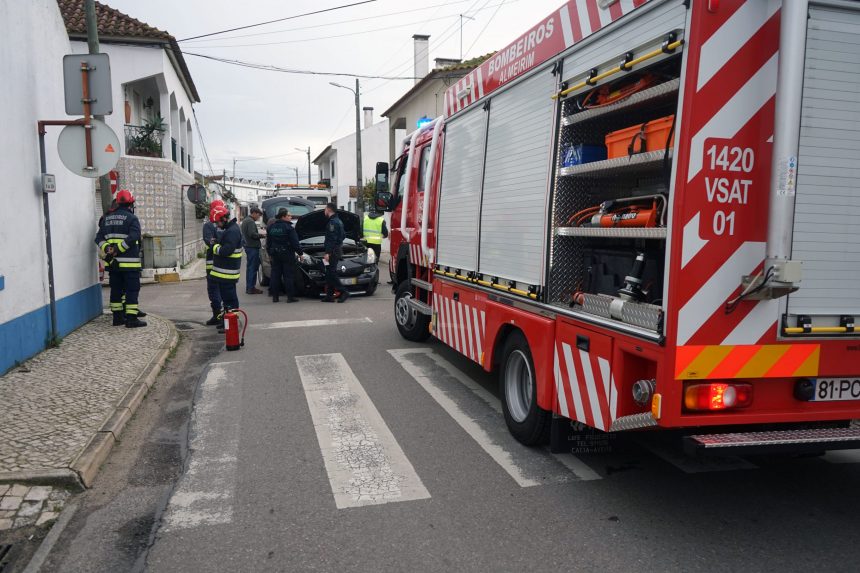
153,94
32,90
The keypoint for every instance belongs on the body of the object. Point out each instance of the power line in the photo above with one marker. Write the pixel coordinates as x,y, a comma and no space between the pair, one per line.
336,23
278,20
202,143
272,68
484,29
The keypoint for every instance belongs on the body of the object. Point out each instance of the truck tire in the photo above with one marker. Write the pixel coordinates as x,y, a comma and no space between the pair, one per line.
411,324
526,421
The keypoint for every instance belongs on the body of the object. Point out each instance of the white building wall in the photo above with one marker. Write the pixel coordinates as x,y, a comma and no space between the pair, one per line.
33,89
374,148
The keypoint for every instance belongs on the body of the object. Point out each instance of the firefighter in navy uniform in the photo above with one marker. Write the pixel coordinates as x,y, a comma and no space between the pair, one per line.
282,244
119,239
334,236
210,237
226,259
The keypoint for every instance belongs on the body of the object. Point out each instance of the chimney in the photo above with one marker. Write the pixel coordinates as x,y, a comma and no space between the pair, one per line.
445,62
368,117
422,56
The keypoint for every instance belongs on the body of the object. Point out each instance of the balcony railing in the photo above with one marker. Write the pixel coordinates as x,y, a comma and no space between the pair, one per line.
143,141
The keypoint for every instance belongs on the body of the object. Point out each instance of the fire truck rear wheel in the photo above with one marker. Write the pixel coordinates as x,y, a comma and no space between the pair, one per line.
412,324
527,421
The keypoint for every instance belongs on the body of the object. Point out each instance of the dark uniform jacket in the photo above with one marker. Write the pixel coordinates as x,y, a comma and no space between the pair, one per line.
282,239
121,228
334,236
210,231
227,254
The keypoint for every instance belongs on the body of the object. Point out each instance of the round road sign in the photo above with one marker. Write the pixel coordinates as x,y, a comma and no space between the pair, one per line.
73,152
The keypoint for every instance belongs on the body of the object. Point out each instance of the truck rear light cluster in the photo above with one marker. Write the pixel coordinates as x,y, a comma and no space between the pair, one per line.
717,396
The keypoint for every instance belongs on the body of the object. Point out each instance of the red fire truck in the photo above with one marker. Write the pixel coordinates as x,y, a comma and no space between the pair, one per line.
642,214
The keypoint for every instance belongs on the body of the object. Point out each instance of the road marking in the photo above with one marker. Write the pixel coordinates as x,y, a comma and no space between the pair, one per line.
514,458
207,490
308,323
364,462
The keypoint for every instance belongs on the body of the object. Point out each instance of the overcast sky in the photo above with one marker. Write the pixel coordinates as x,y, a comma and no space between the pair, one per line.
247,113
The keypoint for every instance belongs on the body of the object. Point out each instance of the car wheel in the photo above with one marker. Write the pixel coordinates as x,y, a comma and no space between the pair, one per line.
411,324
526,421
371,288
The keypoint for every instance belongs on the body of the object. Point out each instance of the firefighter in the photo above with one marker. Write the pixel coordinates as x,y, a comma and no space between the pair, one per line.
210,237
334,236
111,209
119,239
282,244
375,230
227,259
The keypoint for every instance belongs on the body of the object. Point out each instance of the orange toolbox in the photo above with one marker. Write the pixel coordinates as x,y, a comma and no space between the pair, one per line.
649,136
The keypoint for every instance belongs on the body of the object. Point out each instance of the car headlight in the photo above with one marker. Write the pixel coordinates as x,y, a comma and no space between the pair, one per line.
371,256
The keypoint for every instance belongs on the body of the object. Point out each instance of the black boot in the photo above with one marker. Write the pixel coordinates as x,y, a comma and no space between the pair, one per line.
118,318
292,299
214,321
344,296
140,313
131,321
276,298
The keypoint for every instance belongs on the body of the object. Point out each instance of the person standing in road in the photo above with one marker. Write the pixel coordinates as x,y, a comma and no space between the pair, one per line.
282,244
210,237
251,240
226,259
334,236
118,238
375,230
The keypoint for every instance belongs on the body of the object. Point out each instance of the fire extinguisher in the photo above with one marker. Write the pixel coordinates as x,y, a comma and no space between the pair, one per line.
231,329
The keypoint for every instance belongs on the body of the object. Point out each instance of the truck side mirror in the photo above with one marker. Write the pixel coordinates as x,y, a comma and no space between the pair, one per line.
382,195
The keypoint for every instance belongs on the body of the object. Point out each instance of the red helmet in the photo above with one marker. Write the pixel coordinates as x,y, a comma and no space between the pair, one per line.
216,204
218,212
124,197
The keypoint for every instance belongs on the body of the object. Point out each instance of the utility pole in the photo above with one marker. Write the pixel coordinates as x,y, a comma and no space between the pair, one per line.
359,203
308,153
296,169
93,48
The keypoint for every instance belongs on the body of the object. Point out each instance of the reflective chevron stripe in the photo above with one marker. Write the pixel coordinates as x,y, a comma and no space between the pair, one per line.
747,361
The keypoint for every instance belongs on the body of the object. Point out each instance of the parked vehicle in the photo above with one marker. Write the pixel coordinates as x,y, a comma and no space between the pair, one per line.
614,213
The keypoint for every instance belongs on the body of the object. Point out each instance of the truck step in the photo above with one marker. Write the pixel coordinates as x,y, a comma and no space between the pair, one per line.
420,307
774,441
422,284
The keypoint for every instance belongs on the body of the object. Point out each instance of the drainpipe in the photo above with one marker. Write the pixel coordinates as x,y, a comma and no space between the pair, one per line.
786,273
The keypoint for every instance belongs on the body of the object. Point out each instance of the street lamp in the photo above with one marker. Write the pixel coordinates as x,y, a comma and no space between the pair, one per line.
308,152
359,183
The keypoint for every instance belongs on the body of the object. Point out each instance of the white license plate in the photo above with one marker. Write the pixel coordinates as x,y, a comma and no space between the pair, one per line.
349,281
836,389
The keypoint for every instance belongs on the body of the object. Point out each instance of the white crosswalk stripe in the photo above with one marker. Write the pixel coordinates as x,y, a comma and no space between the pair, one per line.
365,464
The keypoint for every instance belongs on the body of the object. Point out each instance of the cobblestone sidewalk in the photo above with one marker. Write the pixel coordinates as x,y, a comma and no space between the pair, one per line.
21,505
55,405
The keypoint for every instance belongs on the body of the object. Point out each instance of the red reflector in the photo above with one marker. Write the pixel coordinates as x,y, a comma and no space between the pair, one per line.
717,396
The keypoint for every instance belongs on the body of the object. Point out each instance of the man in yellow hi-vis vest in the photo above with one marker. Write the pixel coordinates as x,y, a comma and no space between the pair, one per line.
374,231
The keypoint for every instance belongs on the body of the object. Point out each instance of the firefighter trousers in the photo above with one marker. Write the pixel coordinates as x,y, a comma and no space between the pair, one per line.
214,294
229,298
127,284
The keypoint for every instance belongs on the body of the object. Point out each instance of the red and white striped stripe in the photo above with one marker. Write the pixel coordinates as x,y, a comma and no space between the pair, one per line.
416,257
585,387
460,326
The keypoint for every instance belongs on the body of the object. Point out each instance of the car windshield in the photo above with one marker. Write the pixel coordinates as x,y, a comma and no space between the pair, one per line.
318,200
295,209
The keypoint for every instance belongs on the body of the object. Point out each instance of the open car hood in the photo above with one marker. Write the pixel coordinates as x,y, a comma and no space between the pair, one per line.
314,224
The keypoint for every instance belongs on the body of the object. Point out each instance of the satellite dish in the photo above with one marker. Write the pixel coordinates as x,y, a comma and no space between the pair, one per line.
73,152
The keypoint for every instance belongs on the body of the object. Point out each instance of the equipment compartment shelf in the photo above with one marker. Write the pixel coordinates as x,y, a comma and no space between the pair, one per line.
640,161
648,96
613,232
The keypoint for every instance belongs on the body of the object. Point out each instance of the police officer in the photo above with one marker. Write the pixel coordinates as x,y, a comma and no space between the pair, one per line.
283,245
210,237
119,239
375,230
334,236
226,259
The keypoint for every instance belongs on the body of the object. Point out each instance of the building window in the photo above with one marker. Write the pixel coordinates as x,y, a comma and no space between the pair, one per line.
332,168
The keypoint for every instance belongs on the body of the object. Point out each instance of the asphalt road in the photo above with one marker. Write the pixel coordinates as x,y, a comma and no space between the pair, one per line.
329,443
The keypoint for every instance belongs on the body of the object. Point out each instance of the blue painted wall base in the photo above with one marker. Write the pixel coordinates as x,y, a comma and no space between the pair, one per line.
27,335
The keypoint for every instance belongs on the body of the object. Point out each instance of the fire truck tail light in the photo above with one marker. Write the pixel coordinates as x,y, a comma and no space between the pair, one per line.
717,396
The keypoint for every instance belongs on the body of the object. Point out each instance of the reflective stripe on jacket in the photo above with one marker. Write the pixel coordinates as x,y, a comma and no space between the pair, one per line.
373,229
121,228
227,254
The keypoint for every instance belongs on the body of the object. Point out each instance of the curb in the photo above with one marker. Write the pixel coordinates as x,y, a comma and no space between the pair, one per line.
85,466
